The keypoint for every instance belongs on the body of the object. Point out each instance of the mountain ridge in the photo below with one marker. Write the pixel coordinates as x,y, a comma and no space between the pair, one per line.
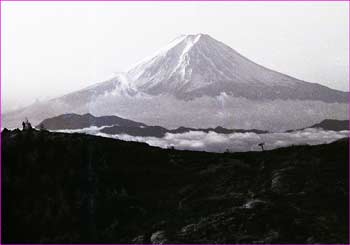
118,125
113,125
329,124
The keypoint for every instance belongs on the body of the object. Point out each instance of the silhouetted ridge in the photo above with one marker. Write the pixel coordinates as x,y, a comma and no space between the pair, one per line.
330,124
76,121
76,188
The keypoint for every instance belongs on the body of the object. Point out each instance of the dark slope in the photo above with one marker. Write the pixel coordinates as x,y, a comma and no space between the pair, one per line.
335,125
219,130
328,124
157,131
73,188
76,121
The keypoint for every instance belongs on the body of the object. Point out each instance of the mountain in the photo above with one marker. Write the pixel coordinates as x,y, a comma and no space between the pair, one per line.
197,65
335,125
76,188
199,82
117,125
328,124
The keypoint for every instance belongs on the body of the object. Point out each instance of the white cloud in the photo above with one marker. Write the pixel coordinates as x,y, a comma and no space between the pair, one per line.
236,142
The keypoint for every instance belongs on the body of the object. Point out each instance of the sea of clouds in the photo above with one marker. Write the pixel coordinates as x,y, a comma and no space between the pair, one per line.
235,142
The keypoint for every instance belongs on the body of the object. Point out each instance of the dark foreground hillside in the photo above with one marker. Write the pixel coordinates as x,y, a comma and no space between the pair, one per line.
74,188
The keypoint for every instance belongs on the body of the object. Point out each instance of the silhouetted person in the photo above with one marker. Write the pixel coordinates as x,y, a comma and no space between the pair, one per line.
26,125
262,146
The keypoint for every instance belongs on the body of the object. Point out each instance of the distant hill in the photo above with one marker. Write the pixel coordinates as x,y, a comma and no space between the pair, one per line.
157,131
76,188
118,125
76,121
330,124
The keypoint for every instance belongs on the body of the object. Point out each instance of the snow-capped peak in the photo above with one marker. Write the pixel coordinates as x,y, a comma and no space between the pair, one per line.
178,63
189,40
185,42
197,65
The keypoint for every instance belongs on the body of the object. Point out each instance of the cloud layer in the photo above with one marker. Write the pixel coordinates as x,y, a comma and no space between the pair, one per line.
236,142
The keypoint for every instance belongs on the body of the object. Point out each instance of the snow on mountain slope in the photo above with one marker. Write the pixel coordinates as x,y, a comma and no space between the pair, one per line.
192,66
116,86
197,60
197,65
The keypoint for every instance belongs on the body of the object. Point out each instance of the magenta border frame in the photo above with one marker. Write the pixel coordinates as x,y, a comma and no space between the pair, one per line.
151,2
174,0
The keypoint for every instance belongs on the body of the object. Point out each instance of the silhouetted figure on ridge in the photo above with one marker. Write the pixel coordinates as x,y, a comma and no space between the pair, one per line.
262,146
26,125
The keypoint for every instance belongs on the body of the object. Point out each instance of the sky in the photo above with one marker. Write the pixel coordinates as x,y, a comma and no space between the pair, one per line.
53,48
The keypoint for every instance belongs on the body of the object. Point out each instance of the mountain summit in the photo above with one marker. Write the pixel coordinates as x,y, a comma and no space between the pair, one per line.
196,65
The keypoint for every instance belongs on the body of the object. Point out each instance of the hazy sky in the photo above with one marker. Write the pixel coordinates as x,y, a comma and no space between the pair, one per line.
51,48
